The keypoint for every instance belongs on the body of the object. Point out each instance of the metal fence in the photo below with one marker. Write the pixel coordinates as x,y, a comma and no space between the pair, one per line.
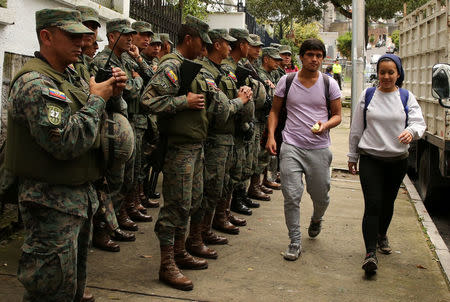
254,28
161,14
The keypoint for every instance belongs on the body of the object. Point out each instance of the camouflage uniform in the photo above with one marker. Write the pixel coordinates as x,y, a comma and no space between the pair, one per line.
56,209
123,175
220,141
185,130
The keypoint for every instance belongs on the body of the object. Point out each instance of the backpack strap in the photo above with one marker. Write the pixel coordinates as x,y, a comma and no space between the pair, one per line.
326,82
367,98
290,77
404,96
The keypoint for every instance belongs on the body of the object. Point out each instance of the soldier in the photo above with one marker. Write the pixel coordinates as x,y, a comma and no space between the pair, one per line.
256,190
119,30
150,55
134,61
270,60
167,45
243,157
105,220
183,120
220,141
286,55
91,50
89,17
53,146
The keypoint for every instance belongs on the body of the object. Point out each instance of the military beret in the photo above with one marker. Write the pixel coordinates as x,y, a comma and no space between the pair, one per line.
240,33
119,25
220,33
142,27
256,40
165,37
271,52
88,14
156,39
66,19
285,49
200,26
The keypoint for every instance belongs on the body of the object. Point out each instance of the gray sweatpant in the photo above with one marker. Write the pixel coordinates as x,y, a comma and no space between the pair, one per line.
315,164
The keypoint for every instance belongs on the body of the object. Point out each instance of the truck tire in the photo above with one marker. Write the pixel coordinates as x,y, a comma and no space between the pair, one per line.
428,174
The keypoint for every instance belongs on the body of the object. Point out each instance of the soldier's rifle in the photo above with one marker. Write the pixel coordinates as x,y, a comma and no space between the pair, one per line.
188,71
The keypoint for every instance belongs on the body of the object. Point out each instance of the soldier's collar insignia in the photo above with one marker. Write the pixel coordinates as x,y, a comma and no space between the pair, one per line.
172,76
54,114
232,75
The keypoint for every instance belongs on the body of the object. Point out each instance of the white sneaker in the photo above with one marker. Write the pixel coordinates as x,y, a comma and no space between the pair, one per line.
292,252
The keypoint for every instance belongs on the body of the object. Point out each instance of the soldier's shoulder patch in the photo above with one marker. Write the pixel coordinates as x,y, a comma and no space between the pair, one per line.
56,94
232,75
171,75
211,83
54,113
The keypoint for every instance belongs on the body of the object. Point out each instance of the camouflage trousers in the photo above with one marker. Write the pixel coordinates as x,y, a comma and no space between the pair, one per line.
139,156
105,212
53,262
261,154
218,160
182,190
243,163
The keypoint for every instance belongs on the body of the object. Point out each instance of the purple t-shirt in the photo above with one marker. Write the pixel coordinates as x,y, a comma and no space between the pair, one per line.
306,106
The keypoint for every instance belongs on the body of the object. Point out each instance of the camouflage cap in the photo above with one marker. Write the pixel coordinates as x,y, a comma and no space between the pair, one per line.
165,37
285,49
240,33
142,27
119,25
220,33
156,39
276,45
271,52
88,14
66,19
256,40
200,26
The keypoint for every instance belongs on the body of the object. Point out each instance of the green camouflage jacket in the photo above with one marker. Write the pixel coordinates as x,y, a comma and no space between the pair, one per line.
35,101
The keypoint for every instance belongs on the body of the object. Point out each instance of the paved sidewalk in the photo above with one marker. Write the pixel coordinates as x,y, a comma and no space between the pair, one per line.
251,267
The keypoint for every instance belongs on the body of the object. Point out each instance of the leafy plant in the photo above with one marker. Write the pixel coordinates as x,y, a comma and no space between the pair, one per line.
344,44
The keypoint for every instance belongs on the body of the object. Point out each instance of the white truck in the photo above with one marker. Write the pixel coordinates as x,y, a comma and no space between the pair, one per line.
424,42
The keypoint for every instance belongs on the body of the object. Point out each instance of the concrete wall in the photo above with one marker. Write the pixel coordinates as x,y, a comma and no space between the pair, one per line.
18,32
329,39
226,20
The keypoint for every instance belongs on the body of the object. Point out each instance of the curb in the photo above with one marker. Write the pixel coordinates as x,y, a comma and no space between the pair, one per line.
440,247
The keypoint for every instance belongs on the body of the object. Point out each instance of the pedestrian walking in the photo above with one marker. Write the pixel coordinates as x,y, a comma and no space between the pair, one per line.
337,72
385,121
305,151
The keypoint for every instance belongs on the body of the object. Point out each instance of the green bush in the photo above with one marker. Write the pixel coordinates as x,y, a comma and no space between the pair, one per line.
3,3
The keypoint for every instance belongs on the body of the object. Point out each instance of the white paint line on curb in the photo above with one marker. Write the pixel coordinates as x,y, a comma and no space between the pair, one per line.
441,249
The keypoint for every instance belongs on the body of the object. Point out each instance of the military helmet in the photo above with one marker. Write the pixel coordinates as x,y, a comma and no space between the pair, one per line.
123,138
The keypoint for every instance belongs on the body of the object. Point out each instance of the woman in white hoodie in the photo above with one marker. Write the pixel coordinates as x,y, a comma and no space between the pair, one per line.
385,121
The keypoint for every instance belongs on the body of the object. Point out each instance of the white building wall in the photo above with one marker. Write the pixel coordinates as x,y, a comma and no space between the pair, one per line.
18,23
226,20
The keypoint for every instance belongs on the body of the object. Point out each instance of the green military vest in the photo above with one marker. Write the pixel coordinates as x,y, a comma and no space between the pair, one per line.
228,87
24,157
187,126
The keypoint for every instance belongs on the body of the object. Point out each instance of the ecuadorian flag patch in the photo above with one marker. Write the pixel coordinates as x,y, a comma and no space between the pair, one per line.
57,94
172,76
232,75
211,83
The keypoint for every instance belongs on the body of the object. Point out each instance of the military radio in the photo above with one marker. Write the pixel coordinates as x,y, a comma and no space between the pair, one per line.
105,73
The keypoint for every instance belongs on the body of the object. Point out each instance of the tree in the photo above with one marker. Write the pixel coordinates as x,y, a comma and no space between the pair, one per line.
284,12
396,38
344,44
196,8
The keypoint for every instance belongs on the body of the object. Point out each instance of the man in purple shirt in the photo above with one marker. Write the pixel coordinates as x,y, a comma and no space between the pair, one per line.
306,141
